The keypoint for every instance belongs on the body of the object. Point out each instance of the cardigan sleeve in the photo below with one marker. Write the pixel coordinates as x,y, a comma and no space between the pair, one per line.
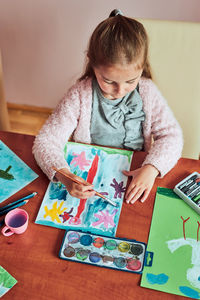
167,136
49,143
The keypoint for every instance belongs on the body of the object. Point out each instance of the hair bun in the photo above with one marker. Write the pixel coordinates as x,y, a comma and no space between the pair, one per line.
115,12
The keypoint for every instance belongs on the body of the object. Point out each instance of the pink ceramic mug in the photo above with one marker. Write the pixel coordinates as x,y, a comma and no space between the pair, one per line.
16,221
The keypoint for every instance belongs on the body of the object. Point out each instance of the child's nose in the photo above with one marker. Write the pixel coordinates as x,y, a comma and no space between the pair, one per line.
119,89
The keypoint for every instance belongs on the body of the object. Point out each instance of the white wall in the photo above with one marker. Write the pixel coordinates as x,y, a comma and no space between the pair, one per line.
43,41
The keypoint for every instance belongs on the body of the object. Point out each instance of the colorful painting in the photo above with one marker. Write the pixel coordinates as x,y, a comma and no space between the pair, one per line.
14,173
6,281
100,166
175,240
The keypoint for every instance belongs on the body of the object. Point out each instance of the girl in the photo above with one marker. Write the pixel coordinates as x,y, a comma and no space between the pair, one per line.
115,103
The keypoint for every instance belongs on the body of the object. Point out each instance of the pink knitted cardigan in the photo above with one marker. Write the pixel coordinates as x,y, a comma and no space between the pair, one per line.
73,115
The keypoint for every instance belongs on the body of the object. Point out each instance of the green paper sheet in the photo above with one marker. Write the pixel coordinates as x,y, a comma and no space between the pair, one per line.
176,247
6,281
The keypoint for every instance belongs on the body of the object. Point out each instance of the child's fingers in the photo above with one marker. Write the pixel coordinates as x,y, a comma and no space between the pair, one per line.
82,189
80,179
82,194
130,190
134,195
145,195
140,194
87,195
127,173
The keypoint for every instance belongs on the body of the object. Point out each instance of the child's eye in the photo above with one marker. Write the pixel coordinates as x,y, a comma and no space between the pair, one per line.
107,81
130,82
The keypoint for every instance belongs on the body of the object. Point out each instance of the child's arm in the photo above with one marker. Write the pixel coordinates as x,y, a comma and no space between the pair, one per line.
72,116
141,183
166,149
80,191
160,124
49,144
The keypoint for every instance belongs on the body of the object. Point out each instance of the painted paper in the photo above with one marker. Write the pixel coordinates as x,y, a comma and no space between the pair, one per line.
6,281
175,240
100,166
14,173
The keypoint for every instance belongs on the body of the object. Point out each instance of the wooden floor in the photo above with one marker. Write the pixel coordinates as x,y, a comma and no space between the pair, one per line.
27,119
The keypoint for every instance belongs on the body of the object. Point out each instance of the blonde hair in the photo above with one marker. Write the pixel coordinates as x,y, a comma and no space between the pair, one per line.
115,40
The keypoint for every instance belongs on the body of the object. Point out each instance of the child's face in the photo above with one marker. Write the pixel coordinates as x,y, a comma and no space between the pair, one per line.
117,80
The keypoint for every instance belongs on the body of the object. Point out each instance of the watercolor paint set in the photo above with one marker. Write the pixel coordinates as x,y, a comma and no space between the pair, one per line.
189,190
98,250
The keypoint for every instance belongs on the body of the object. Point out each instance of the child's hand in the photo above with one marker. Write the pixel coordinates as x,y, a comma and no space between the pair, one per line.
80,191
141,183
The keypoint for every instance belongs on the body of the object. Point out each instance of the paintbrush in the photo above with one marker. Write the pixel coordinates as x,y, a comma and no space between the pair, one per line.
79,182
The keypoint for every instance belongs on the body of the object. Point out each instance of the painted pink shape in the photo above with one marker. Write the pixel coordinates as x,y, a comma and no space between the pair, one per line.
80,160
105,218
75,221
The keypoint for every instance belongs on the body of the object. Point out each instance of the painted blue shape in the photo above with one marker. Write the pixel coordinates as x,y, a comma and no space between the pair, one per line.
84,175
187,291
57,191
94,151
69,158
157,279
199,278
21,172
93,208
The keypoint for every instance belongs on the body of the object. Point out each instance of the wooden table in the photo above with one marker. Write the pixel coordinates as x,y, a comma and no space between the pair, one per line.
32,258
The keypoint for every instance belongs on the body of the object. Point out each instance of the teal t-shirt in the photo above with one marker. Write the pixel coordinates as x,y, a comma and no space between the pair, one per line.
117,123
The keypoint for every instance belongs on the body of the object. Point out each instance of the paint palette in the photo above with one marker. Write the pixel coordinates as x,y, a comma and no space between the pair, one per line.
114,253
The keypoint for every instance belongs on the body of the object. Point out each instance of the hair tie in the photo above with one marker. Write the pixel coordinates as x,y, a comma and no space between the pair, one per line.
115,12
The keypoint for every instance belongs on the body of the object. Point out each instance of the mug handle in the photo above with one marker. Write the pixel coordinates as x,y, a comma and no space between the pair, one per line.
7,233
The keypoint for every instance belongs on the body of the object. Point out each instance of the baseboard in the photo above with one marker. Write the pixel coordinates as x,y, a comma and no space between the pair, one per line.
31,108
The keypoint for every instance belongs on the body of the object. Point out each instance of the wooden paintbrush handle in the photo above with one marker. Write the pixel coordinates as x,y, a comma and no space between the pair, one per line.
70,177
86,183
